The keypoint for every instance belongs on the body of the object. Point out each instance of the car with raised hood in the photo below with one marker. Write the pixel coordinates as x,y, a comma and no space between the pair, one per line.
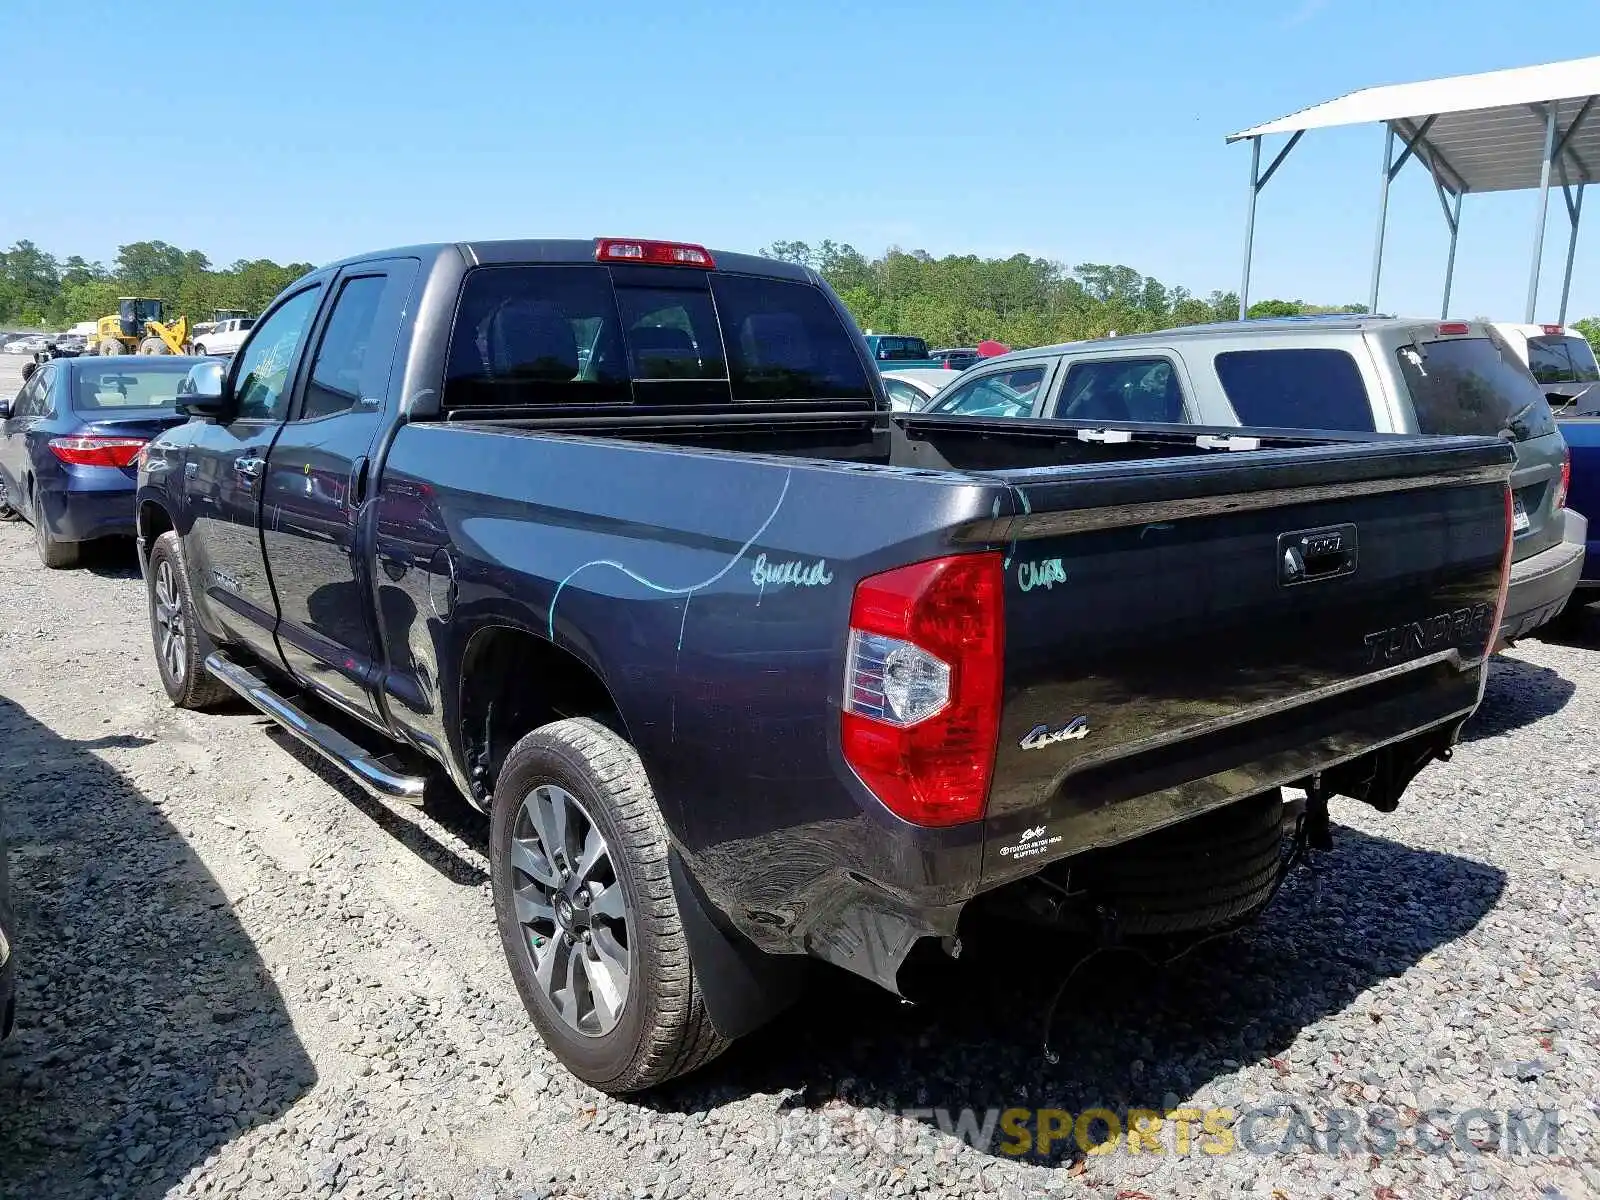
621,538
1347,373
68,444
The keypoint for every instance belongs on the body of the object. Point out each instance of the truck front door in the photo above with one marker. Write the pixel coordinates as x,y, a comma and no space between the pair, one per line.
318,478
225,473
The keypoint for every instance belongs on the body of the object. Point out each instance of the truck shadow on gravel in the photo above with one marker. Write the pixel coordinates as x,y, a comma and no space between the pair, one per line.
1519,694
149,1032
441,802
1128,1035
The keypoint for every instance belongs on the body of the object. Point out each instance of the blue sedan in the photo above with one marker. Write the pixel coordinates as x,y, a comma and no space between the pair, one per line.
69,442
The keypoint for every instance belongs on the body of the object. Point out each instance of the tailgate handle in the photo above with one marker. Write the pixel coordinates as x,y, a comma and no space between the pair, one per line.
1312,555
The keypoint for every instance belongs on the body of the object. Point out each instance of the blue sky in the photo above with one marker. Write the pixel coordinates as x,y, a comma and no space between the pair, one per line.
1086,132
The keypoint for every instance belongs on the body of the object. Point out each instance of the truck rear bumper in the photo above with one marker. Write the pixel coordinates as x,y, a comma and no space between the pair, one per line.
1541,583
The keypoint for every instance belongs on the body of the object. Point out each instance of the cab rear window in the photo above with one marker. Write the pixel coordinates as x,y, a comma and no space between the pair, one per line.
1473,385
583,336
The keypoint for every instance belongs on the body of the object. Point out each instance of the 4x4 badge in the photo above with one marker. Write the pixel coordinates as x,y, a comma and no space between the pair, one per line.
1043,735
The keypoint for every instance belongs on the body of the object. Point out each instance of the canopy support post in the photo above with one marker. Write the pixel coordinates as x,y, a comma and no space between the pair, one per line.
1250,223
1452,219
1574,215
1544,207
1258,180
1383,216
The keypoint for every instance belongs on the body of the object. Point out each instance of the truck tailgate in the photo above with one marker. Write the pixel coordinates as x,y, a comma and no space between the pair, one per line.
1176,639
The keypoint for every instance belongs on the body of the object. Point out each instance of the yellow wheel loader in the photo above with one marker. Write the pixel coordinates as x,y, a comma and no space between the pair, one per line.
137,328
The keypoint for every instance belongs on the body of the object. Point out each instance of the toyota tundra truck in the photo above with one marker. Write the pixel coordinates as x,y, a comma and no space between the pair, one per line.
622,539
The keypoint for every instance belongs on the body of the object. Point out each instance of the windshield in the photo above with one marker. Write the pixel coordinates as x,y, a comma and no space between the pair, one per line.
901,349
120,388
1562,360
1473,385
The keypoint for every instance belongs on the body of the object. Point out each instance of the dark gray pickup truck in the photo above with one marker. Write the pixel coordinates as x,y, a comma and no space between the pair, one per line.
622,537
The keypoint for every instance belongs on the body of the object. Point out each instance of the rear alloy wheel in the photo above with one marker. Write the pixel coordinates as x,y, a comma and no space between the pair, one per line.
53,552
572,910
587,912
181,645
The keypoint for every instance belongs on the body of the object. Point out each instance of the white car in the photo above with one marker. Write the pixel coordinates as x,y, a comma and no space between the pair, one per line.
911,390
31,344
225,337
1561,362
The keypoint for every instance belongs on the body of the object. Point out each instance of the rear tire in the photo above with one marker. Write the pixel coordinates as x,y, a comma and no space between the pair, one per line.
153,345
659,1029
199,348
53,552
109,346
181,645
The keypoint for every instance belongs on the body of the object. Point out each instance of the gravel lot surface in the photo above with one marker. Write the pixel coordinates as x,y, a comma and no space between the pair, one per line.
241,977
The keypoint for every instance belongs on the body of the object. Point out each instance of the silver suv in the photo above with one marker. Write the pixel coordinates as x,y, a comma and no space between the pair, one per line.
1346,374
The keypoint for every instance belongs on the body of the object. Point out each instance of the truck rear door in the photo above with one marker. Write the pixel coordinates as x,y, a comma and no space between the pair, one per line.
1176,639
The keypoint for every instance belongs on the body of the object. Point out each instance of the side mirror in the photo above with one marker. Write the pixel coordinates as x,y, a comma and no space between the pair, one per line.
203,392
5,408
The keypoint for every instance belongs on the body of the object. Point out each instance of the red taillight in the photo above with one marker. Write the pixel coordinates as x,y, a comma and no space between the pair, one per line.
96,451
1566,479
1450,327
921,712
666,254
1553,330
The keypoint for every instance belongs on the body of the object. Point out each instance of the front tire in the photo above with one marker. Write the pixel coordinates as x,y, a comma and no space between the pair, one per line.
181,645
587,914
153,345
53,552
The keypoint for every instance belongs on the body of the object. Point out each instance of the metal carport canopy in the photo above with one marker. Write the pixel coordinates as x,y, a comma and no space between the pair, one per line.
1492,132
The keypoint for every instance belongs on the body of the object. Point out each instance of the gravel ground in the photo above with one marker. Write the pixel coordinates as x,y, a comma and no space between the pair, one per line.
243,978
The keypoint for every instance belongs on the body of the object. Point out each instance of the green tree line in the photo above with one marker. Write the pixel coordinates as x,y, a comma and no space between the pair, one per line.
37,288
951,301
960,300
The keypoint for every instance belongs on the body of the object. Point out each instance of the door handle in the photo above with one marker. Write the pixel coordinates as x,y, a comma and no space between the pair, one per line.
357,491
249,465
1309,556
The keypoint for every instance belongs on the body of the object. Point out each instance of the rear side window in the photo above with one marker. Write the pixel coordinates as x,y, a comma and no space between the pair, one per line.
1121,389
1562,360
1296,389
352,365
544,336
1473,385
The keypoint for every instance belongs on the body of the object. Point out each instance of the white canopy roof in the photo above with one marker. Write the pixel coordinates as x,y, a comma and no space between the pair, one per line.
1488,130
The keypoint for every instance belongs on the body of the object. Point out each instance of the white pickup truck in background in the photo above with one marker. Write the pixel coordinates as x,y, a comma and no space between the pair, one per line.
224,337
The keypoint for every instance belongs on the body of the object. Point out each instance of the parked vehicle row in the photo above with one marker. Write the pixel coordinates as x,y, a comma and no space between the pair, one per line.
1352,374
